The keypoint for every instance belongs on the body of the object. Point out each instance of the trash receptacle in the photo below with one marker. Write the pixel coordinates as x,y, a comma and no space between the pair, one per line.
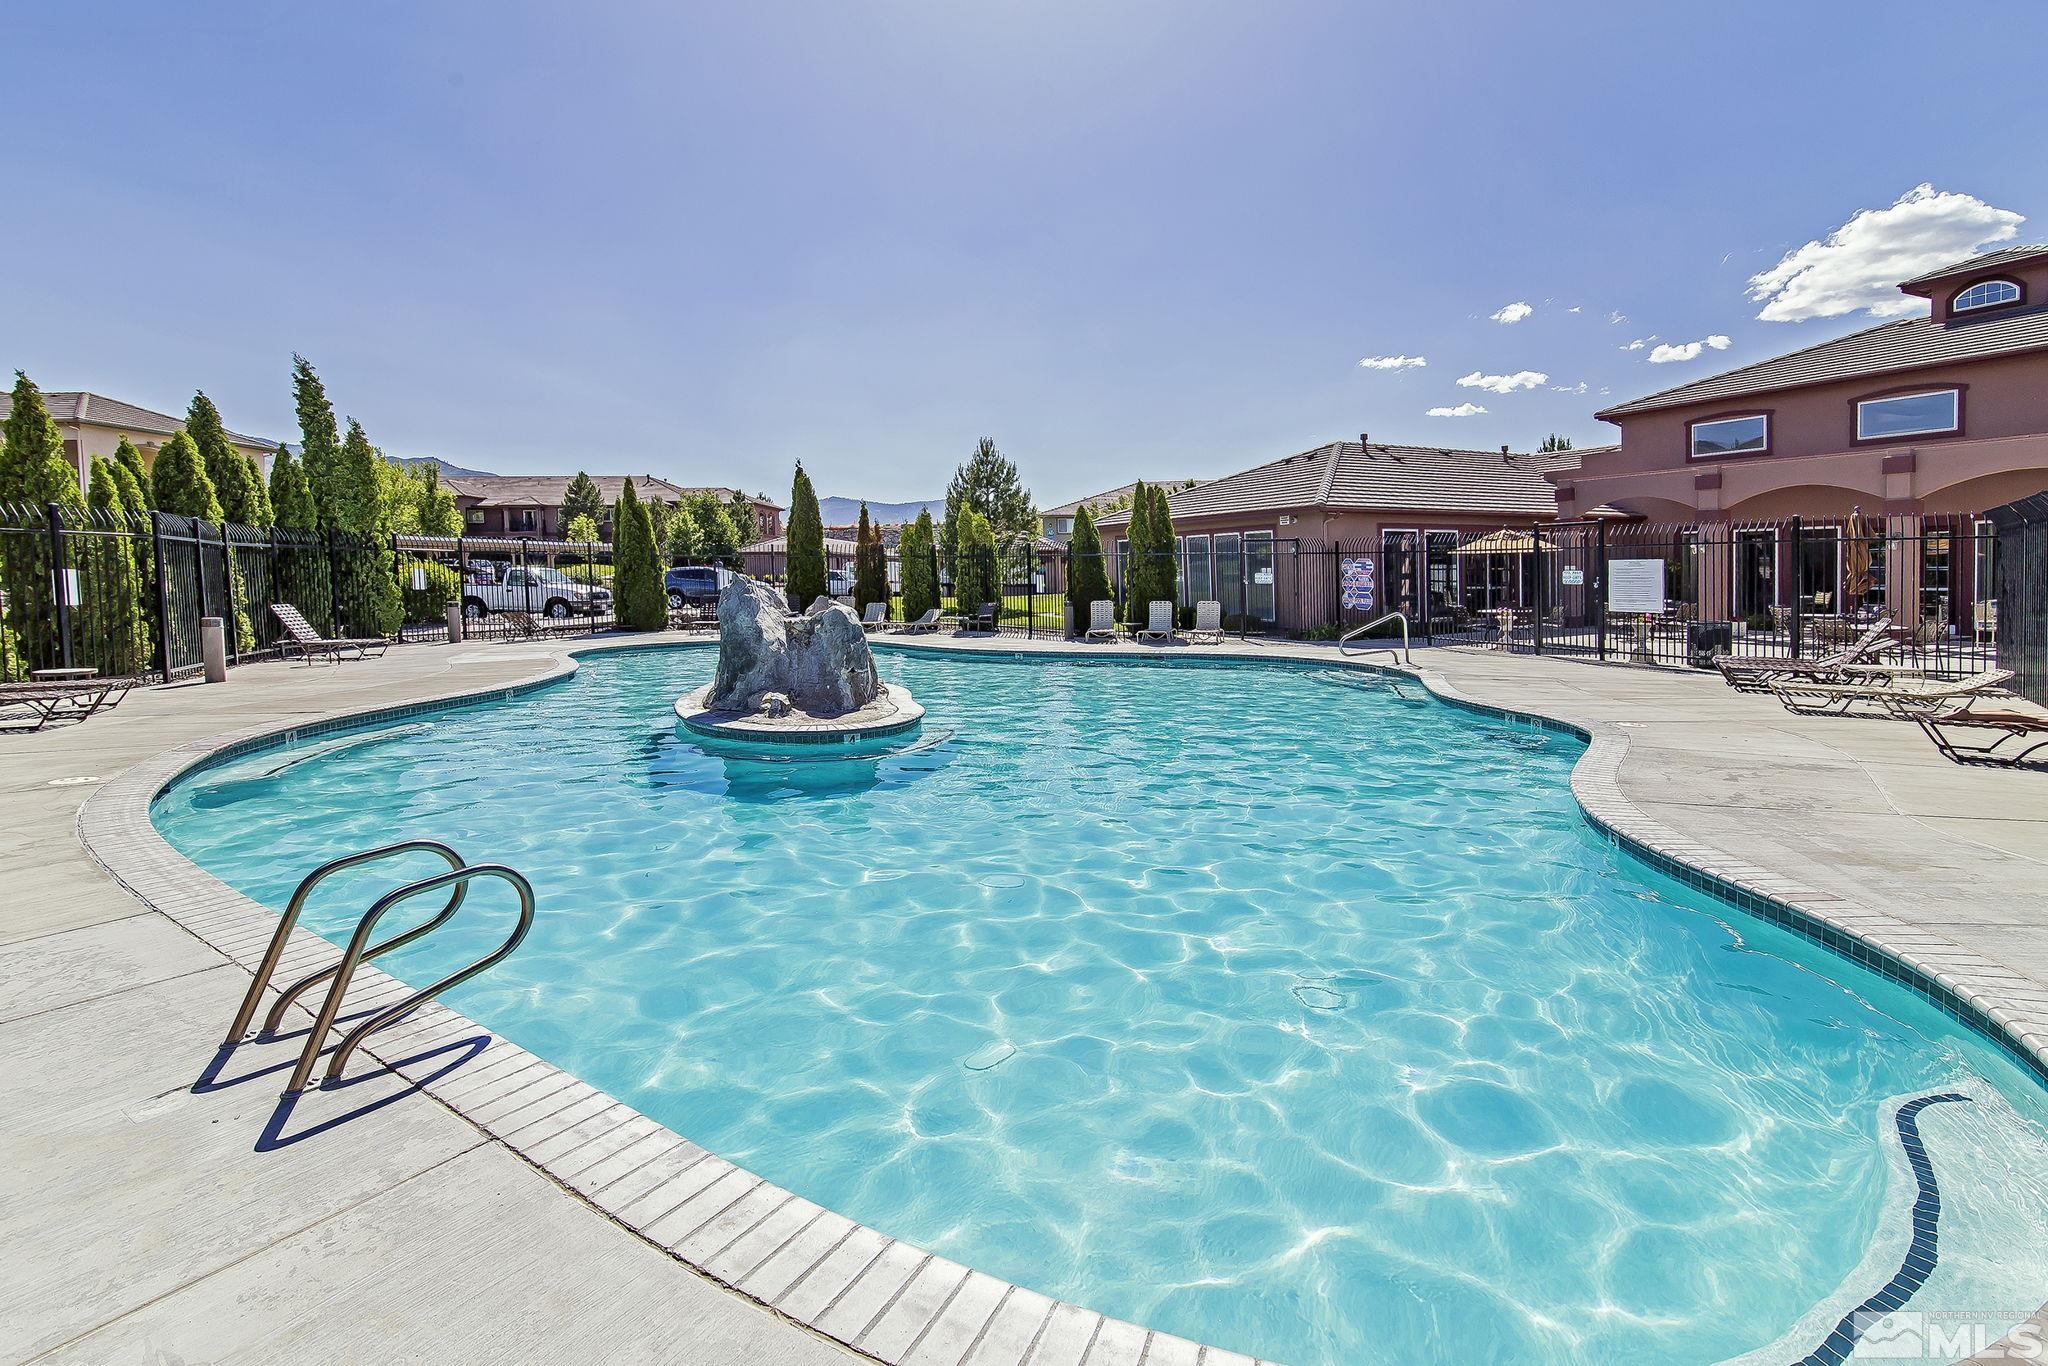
1706,639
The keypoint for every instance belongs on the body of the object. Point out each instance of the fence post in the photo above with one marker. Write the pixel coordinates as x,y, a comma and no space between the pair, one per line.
58,587
1794,616
1599,593
1542,581
1030,592
163,595
231,624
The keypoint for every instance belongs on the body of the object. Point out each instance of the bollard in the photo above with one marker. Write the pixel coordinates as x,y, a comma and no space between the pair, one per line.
213,648
454,623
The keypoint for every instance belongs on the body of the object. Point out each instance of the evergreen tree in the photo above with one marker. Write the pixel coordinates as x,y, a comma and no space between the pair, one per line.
988,483
713,537
439,516
918,552
233,481
660,513
357,508
130,459
33,466
806,558
134,503
319,439
975,578
582,529
1087,575
179,477
640,603
117,633
746,527
1138,556
1155,571
291,497
870,565
681,541
581,499
354,498
1554,443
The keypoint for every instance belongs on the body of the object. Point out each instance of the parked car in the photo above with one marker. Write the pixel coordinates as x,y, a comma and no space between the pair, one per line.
695,585
839,583
532,590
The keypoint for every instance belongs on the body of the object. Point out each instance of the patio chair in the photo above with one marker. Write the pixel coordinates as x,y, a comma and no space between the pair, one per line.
927,622
299,635
1901,698
873,619
1208,629
2001,721
1159,624
1101,620
1758,675
72,698
982,619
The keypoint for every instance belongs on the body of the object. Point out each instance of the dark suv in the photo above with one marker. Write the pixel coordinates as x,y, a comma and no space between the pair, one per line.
694,585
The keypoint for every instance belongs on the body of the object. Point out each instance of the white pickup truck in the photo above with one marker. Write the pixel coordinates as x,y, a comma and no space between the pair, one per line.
517,589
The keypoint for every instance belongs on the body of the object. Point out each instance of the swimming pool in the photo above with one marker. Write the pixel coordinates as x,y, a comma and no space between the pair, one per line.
1263,1005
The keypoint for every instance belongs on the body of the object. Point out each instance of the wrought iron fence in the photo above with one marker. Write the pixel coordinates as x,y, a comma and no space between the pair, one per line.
504,587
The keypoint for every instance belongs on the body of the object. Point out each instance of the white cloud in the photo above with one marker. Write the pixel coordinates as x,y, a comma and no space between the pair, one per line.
1667,353
1462,410
1617,316
1391,362
1640,342
1503,384
1575,308
1578,388
1859,265
1512,313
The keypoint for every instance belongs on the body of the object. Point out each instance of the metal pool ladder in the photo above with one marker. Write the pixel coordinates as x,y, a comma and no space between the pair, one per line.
1349,636
360,951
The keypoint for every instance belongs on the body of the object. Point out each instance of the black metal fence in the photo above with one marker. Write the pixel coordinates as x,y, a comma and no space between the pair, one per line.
504,587
2022,559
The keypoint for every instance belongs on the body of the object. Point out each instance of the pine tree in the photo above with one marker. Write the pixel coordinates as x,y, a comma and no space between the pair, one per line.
988,483
319,439
870,565
917,552
582,499
118,634
291,497
640,602
806,558
130,459
1087,576
1554,443
179,477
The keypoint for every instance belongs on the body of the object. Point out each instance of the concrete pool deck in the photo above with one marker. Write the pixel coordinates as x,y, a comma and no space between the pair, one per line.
389,1222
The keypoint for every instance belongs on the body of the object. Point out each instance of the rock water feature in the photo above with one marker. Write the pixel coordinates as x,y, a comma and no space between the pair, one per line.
785,677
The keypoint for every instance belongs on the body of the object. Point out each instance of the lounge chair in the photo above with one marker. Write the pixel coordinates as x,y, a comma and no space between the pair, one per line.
1904,698
1746,674
1208,629
1101,620
2002,720
299,635
71,698
874,618
926,623
1159,625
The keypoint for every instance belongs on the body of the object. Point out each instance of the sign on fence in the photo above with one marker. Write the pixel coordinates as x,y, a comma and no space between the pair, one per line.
1356,577
1574,577
1635,586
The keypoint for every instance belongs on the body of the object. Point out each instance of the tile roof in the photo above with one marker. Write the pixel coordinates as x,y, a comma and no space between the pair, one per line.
1990,260
1351,475
547,490
779,545
97,410
1124,493
1907,344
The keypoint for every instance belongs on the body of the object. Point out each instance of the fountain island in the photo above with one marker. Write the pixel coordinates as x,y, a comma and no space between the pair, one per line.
788,679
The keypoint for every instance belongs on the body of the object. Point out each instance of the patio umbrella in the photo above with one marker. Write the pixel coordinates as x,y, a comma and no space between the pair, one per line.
1504,543
1856,570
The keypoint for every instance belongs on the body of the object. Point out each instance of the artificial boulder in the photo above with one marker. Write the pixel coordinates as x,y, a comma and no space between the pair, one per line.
819,662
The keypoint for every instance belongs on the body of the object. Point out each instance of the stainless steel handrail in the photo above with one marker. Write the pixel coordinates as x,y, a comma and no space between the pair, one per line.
354,955
1349,636
290,919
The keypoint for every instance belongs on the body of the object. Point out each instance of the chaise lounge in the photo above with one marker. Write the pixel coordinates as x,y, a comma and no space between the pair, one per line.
1746,674
1208,627
1101,620
1999,719
299,635
72,698
926,623
1903,698
1159,625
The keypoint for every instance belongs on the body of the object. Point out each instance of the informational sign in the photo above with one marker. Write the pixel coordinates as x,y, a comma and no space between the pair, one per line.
419,578
67,588
1574,576
1262,576
1635,586
1355,577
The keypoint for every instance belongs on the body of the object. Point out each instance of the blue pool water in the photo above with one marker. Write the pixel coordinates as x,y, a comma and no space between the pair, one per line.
1258,1004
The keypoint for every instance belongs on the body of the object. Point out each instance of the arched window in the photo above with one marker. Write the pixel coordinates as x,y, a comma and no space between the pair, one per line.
1985,294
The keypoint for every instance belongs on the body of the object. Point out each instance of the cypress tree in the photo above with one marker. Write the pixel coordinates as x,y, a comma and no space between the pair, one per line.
870,565
806,558
1166,564
130,459
356,508
114,581
974,571
1137,555
917,551
33,467
354,499
181,483
640,603
259,495
319,438
224,464
134,504
291,497
439,516
1087,577
582,499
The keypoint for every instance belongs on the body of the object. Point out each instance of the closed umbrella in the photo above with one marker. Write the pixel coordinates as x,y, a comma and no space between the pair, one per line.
1856,572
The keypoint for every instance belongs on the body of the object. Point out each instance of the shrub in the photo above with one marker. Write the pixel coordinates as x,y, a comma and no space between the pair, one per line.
442,585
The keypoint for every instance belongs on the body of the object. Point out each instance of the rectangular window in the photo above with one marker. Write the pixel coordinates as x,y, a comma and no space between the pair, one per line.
1230,573
1259,570
1198,580
1731,436
1938,410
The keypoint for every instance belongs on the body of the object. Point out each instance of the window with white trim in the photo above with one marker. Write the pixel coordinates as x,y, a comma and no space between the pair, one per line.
1731,436
1921,414
1985,294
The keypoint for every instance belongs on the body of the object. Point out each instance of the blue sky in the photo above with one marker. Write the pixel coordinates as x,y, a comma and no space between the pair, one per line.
1143,239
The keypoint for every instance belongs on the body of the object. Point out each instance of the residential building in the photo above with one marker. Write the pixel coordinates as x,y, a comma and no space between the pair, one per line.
531,504
768,558
1251,539
1056,525
93,424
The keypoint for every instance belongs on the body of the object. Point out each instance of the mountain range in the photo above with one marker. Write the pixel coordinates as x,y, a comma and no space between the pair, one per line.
846,511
